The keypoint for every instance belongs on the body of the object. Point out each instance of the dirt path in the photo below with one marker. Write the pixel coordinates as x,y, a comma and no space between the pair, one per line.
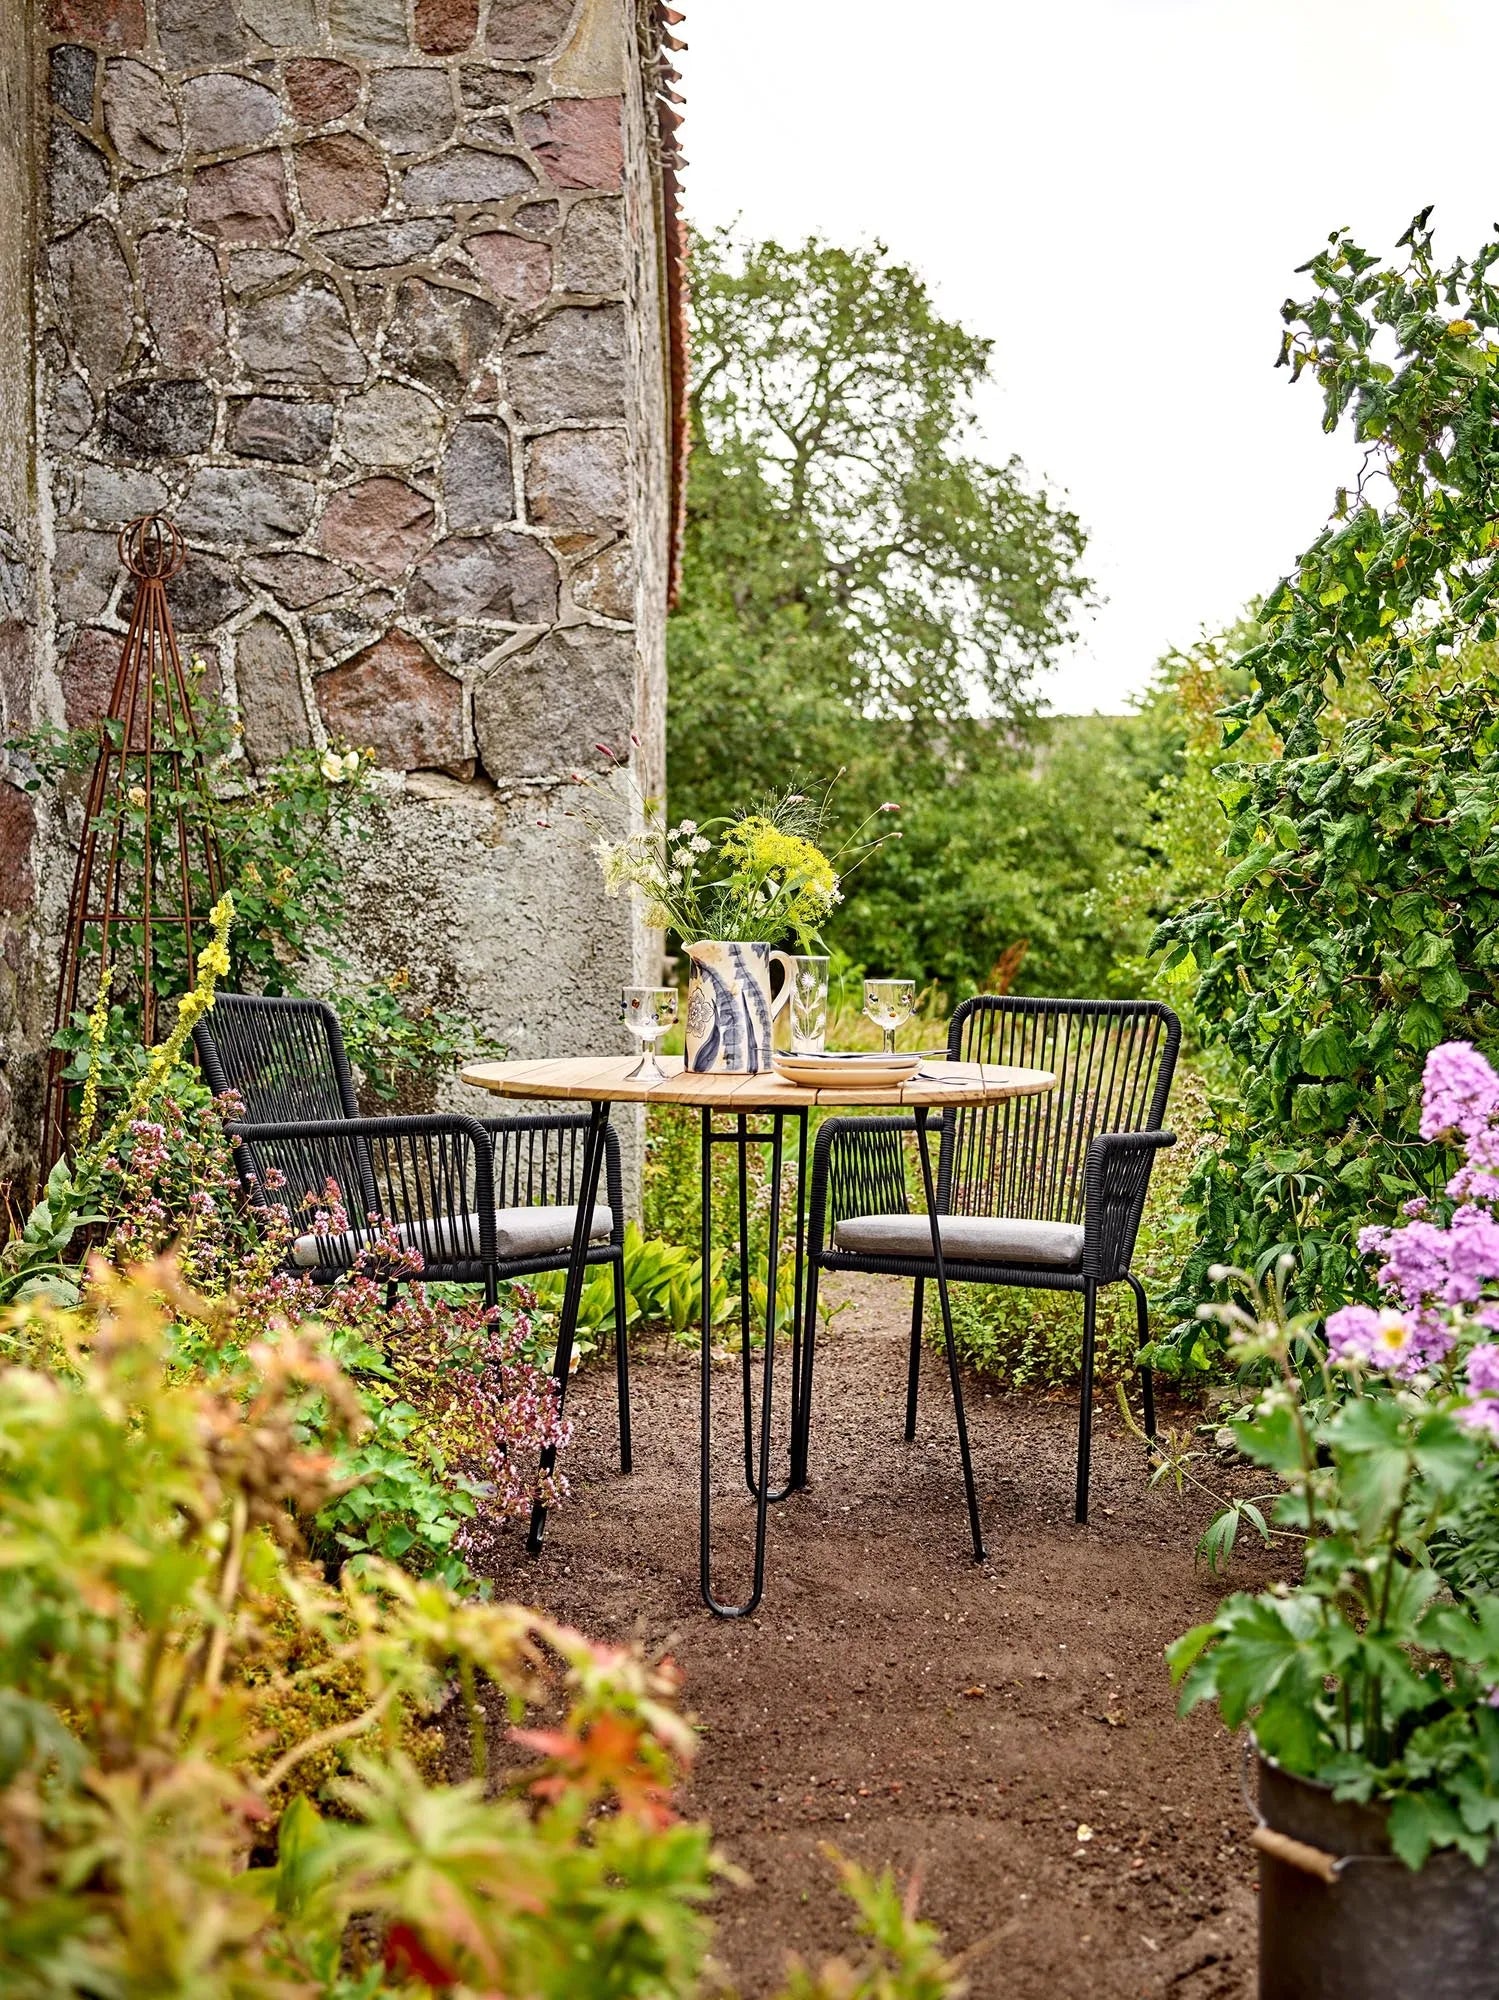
895,1699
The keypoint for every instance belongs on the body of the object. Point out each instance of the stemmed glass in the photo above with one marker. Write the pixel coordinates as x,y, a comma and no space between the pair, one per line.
809,1005
889,1003
648,1011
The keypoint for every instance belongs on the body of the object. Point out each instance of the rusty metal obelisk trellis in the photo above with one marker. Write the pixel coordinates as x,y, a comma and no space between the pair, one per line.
148,863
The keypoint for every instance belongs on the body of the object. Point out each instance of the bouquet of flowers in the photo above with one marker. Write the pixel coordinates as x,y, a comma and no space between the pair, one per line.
760,876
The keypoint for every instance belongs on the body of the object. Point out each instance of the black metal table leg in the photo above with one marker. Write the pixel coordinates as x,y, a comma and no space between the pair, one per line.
761,1486
954,1373
744,1140
572,1297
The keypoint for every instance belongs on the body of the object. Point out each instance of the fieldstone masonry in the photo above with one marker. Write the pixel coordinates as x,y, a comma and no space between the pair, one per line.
368,294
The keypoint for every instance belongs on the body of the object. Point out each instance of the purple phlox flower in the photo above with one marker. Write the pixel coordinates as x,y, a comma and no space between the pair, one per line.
1492,1697
1459,1092
1472,1255
1417,1206
1482,1416
1474,1184
1372,1239
1398,1343
1415,1264
1488,1316
1482,1369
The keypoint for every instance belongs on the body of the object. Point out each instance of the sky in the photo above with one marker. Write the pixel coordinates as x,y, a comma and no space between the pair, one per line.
1116,193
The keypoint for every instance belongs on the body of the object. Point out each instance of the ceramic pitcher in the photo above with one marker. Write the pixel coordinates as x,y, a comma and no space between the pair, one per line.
729,1005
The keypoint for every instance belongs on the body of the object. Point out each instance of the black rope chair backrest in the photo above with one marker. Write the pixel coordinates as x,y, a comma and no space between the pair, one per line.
1113,1061
285,1061
283,1058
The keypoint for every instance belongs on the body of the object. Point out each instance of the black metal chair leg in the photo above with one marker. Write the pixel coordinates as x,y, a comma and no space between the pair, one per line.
913,1371
1147,1373
802,1439
1085,1411
622,1366
955,1374
593,1159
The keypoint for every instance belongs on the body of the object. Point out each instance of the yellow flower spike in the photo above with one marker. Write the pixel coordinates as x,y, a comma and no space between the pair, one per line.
98,1028
213,965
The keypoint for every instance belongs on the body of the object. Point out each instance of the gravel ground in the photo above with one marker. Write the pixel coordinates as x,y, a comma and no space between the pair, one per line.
1007,1729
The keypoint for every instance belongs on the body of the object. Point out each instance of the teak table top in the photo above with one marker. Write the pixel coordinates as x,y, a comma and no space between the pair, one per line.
595,1079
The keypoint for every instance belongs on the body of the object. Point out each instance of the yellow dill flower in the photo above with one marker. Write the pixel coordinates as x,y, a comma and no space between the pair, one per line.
761,850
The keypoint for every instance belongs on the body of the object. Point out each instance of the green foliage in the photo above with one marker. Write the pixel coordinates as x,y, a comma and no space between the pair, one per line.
1017,843
833,405
663,1287
1354,929
278,833
148,1529
283,836
391,1038
1374,1674
905,1962
1176,853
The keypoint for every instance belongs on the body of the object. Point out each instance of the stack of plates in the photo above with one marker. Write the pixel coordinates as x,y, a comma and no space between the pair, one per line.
847,1067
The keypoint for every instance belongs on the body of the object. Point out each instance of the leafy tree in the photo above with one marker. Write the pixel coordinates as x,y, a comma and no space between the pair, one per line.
1357,927
1018,843
849,562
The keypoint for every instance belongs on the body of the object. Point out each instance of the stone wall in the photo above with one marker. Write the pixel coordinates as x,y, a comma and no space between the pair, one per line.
366,294
25,973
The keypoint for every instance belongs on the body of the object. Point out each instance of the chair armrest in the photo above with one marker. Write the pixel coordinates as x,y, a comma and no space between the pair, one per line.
1116,1179
858,1168
406,1171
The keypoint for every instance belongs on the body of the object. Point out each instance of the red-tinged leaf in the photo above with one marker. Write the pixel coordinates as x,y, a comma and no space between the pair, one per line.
408,1956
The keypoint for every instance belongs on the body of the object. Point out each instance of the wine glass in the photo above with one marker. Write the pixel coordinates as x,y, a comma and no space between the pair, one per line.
889,1003
648,1011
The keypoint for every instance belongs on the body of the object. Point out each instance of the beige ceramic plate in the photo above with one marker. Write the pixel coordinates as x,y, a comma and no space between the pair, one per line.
874,1067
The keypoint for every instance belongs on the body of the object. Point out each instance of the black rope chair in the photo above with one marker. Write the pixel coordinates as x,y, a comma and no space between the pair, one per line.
1041,1192
481,1199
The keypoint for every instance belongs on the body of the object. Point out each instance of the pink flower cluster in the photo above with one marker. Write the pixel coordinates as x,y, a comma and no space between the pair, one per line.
1433,1273
1403,1343
1459,1100
1482,1370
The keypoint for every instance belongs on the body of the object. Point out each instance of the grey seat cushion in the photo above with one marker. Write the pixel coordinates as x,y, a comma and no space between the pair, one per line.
968,1239
520,1235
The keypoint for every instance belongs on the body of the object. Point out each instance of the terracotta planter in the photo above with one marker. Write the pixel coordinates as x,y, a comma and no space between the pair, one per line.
1342,1918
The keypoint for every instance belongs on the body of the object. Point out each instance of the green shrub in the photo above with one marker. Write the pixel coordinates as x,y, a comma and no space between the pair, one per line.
1356,927
176,1681
149,1527
663,1287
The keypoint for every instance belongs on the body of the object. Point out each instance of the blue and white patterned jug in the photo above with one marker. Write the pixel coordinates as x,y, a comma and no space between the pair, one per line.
729,1005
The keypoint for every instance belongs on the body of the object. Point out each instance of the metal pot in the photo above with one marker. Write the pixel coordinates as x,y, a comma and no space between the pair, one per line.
1343,1918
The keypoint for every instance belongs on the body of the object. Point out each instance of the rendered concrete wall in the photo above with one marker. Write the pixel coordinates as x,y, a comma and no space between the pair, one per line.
366,294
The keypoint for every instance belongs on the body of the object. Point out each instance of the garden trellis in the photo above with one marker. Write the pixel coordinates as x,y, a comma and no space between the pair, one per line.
148,868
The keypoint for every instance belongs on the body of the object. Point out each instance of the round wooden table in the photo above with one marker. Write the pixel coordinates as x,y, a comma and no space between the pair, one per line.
602,1081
